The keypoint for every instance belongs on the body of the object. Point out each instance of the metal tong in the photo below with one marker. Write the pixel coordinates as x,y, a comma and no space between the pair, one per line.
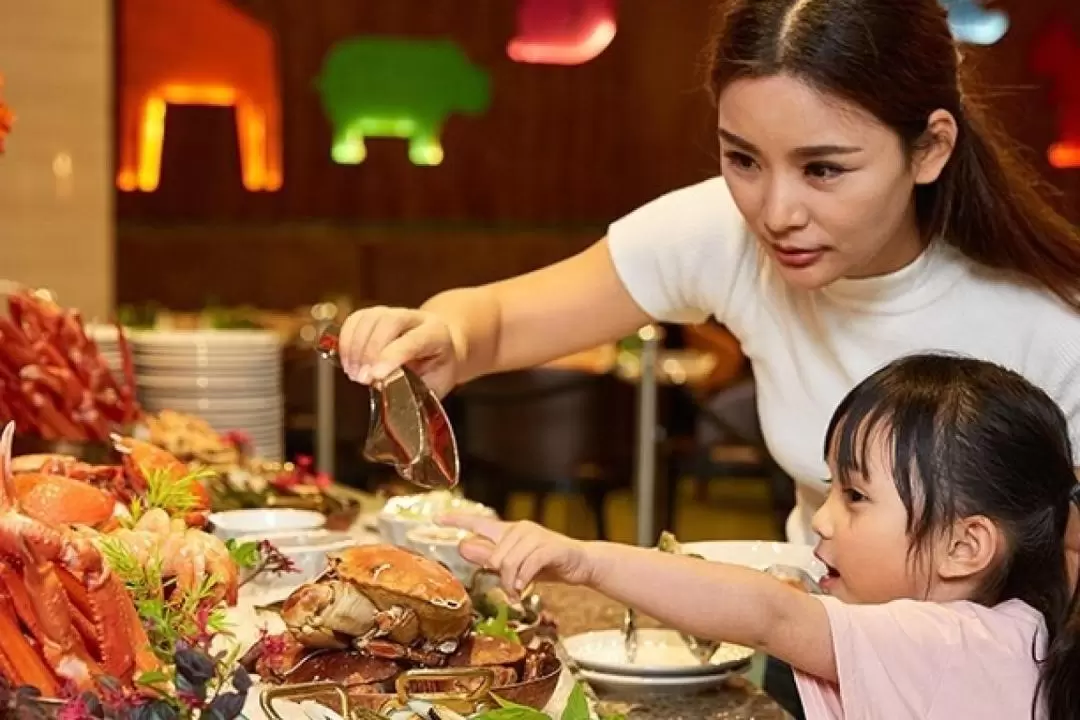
408,428
702,650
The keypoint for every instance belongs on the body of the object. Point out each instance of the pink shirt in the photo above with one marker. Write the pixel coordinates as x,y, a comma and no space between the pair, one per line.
928,661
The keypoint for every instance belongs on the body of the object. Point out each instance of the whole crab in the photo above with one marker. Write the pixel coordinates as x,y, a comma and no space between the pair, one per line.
390,602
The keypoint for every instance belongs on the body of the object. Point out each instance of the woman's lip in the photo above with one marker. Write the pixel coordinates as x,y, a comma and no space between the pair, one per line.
796,257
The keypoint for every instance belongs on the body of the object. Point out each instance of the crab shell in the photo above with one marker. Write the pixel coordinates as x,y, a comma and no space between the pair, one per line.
380,590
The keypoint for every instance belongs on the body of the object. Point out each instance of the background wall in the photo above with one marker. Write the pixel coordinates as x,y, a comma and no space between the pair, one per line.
561,152
56,191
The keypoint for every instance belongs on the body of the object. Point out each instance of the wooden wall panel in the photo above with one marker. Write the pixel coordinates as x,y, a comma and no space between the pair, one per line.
56,199
289,266
559,144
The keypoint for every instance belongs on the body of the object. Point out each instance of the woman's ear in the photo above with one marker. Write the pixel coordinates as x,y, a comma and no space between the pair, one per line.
972,547
936,147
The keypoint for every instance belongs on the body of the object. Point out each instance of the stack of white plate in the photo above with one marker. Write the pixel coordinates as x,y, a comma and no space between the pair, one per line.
106,339
230,378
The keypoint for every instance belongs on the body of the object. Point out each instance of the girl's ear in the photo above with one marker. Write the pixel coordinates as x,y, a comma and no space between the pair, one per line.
972,547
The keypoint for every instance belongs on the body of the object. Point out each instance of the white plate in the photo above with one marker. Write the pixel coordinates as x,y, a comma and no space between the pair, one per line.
187,361
633,685
226,406
758,554
212,354
202,366
196,383
215,338
661,652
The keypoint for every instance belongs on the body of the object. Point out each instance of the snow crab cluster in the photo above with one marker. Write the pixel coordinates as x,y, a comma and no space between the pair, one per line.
65,618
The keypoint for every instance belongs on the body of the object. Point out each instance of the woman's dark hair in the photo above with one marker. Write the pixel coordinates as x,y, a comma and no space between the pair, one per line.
897,59
971,438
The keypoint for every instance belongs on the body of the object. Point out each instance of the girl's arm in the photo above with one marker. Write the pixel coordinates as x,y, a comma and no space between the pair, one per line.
706,599
719,601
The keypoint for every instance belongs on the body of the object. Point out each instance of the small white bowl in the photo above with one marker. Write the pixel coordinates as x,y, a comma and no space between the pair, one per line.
260,522
404,513
308,550
441,544
394,529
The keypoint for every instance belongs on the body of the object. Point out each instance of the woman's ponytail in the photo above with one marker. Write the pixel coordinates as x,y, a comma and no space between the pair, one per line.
994,207
1059,677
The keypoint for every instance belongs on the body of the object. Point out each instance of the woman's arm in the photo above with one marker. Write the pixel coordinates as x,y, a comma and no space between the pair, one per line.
721,602
567,307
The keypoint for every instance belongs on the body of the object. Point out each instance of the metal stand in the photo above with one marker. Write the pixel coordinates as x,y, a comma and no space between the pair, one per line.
645,469
325,377
325,432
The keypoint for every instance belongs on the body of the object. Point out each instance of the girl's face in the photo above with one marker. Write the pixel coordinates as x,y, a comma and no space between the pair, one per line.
864,538
825,186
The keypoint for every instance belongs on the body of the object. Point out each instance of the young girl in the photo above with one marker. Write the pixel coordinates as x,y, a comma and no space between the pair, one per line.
943,533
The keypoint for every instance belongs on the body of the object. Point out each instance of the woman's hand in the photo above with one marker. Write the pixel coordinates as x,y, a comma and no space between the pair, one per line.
376,341
522,552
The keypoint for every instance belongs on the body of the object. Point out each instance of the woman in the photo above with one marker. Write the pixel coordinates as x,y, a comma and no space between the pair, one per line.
867,209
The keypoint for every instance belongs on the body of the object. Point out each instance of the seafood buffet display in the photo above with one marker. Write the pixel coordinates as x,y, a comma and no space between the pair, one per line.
113,590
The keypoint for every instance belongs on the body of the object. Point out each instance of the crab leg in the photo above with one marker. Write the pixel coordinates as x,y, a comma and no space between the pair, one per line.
81,609
40,549
127,390
20,662
128,622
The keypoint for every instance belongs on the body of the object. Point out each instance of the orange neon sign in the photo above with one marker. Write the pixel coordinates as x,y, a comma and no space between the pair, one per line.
562,32
1056,56
196,52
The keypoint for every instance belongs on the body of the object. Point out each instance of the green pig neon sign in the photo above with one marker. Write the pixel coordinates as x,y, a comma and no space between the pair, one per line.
379,86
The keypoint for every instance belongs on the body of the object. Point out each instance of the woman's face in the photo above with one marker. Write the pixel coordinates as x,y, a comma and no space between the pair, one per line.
827,188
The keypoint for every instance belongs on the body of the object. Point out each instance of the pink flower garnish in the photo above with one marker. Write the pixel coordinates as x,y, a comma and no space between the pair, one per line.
75,709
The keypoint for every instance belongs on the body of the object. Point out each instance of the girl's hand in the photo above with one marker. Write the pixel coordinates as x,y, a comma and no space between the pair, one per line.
522,552
378,340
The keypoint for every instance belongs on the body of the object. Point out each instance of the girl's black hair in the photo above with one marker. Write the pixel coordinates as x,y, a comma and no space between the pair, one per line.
972,438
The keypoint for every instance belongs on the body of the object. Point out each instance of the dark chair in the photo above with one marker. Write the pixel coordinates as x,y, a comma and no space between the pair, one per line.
727,443
544,431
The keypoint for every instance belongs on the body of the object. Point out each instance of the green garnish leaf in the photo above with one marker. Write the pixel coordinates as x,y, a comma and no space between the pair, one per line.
499,626
176,496
245,555
510,711
577,705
